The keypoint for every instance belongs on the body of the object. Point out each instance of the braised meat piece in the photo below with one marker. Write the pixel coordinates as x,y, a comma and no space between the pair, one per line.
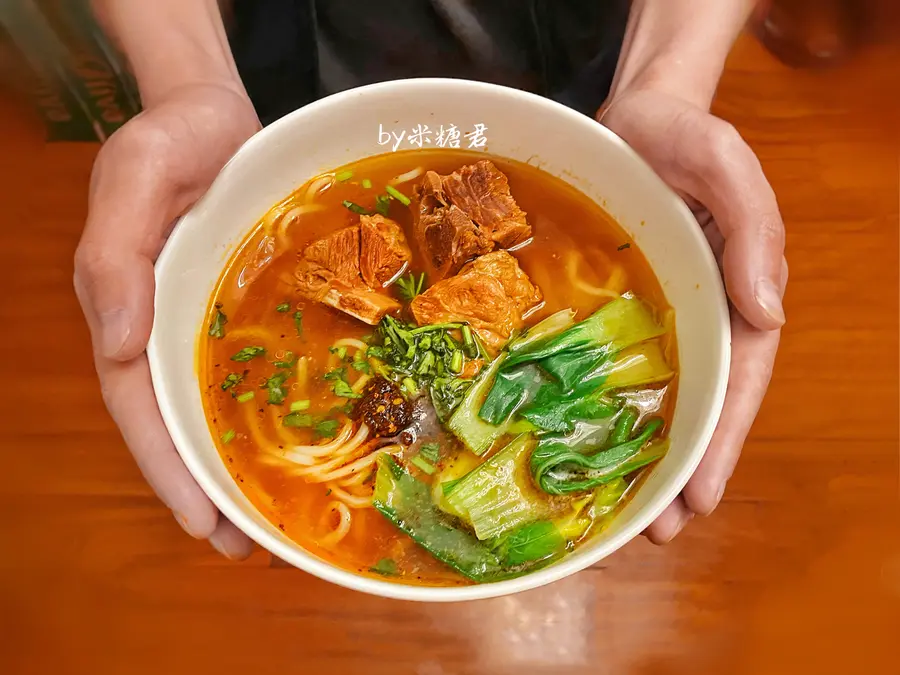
383,251
464,215
383,408
343,269
481,191
491,293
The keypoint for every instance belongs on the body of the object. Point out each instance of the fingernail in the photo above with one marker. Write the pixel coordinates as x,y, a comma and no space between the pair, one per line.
719,495
769,298
185,525
220,546
115,328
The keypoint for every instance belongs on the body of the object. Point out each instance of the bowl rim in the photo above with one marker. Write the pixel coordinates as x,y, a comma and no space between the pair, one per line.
307,561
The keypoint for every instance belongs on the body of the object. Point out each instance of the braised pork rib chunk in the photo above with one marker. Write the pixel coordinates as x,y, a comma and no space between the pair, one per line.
348,269
465,214
491,293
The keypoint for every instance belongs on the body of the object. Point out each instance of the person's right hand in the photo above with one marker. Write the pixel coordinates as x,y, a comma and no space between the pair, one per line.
146,175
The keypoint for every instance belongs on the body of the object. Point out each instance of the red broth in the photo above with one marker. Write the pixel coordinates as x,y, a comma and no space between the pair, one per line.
577,249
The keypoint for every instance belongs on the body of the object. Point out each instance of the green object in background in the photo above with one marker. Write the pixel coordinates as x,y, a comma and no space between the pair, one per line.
80,85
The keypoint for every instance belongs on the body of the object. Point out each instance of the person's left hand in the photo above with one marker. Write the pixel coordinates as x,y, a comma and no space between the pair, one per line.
705,160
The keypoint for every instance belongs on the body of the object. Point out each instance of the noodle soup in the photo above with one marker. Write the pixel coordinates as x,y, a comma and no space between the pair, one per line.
438,369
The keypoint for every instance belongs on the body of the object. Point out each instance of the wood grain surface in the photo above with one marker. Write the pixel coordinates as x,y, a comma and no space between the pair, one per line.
798,571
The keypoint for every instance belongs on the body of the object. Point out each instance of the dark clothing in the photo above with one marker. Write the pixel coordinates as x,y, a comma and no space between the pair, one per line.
291,52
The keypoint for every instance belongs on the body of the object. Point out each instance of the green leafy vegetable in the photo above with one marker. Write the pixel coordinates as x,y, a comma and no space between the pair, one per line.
409,287
559,470
511,390
619,323
228,436
396,194
298,322
275,387
405,501
248,353
385,567
217,325
465,423
553,411
232,380
356,208
531,543
497,496
637,365
246,396
624,426
542,331
283,307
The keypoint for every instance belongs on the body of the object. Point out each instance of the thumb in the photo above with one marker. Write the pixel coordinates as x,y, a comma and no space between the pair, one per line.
115,289
726,177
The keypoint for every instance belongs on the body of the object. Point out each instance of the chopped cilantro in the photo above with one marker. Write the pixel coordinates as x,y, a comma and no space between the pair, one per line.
298,420
217,325
248,353
344,390
362,366
327,428
275,386
336,374
385,567
289,360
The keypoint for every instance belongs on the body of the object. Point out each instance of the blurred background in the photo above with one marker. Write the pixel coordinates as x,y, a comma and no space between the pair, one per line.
55,57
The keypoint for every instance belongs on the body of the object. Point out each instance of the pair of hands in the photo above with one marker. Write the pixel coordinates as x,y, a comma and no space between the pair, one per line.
161,162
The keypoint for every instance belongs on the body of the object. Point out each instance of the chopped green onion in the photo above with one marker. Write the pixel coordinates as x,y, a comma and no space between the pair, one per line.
456,363
283,307
469,342
299,405
217,325
228,436
343,176
231,380
298,322
409,385
623,247
366,183
246,396
382,204
435,326
423,464
396,194
356,208
248,353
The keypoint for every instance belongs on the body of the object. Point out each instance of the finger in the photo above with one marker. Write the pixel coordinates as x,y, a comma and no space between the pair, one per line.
230,541
723,173
752,359
670,522
128,393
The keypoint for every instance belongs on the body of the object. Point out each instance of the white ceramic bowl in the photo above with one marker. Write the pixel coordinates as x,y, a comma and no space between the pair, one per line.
346,127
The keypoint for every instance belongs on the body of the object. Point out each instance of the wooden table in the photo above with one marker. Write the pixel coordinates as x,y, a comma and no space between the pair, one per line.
798,571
